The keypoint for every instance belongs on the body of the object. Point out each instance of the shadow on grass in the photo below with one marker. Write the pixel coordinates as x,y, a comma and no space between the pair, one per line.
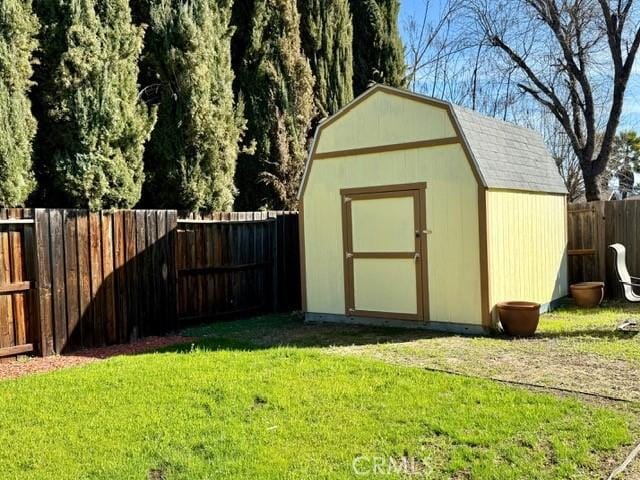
274,331
588,332
290,330
258,333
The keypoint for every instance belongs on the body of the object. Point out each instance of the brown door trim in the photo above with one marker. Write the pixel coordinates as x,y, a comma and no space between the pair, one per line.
398,187
382,254
418,192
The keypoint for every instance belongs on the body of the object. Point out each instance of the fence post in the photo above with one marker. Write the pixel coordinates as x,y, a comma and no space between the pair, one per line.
274,263
42,262
172,276
601,242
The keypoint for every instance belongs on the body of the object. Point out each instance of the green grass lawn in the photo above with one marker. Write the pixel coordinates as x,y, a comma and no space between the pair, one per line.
230,412
575,349
240,405
593,330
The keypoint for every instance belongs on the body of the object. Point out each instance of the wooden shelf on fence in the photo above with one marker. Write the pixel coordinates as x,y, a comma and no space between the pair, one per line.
16,350
582,251
222,269
16,287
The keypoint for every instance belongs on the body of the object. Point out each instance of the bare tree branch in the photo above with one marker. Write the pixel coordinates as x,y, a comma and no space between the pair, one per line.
576,30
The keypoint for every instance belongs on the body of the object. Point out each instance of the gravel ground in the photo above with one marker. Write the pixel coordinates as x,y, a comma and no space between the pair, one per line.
28,365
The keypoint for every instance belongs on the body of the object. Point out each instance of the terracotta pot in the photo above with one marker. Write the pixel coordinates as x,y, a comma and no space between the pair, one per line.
519,319
587,294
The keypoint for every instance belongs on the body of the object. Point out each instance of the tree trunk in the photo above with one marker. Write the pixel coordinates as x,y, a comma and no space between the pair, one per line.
591,187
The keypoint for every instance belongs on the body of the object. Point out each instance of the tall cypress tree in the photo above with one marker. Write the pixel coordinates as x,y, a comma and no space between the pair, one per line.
276,83
378,54
192,155
18,27
327,38
93,125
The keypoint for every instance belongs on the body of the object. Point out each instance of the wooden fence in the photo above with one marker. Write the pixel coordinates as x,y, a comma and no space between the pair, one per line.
72,279
237,263
592,227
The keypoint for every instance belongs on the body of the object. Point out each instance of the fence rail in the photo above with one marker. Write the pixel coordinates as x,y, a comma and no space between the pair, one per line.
72,279
592,228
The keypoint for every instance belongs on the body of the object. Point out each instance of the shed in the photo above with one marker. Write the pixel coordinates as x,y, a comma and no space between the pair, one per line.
416,212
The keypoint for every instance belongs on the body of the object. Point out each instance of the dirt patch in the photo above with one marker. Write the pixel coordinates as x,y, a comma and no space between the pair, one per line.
540,363
29,365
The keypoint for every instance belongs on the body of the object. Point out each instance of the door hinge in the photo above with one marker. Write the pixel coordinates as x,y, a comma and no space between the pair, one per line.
346,199
348,255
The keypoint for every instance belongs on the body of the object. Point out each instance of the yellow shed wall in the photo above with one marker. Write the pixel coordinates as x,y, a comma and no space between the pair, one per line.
385,120
452,216
526,239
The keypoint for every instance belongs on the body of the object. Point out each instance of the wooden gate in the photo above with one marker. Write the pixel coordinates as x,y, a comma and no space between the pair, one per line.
18,330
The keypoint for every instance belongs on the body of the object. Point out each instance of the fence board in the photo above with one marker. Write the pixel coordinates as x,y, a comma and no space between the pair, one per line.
107,286
58,280
120,276
7,324
130,326
84,278
29,272
141,244
18,276
72,281
95,266
45,299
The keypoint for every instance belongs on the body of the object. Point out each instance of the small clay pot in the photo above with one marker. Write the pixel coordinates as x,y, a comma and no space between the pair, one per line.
587,294
519,319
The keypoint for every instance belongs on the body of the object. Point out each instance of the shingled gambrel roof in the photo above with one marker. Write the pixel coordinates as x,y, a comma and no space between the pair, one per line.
509,156
504,155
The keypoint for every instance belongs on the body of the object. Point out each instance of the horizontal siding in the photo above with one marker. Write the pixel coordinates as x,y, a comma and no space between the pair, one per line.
527,246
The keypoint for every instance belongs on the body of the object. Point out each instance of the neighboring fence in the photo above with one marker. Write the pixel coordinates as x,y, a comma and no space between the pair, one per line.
72,279
592,227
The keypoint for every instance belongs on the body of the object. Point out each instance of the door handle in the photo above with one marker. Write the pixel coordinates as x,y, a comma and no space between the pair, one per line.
416,256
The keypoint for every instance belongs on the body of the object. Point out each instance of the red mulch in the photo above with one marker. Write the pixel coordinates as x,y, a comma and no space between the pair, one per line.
28,365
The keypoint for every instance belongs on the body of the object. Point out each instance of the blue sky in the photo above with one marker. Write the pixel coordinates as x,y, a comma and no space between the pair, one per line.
631,111
408,6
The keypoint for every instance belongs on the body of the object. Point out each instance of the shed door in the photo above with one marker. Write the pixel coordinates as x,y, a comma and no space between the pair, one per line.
384,243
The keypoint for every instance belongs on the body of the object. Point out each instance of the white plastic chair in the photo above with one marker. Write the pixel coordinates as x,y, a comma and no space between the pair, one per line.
627,281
